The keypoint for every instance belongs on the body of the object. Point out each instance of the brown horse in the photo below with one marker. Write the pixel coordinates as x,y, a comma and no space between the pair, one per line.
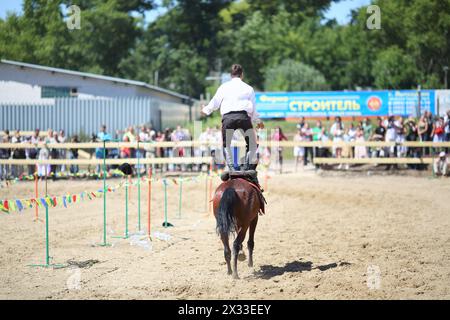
236,204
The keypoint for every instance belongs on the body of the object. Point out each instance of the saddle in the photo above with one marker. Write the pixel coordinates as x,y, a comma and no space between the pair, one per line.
251,176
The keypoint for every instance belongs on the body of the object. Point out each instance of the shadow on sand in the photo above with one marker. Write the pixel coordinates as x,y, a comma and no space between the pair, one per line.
270,271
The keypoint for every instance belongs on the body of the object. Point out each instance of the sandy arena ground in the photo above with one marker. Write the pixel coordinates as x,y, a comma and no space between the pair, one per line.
323,237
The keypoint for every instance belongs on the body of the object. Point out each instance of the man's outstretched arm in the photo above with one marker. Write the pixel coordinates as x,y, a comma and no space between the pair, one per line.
214,104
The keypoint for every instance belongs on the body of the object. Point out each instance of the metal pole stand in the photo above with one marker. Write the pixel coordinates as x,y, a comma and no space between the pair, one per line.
47,246
126,236
104,243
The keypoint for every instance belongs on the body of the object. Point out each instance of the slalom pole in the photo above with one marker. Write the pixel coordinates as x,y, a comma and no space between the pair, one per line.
47,249
130,181
139,186
149,202
206,192
104,244
179,200
126,213
165,203
47,242
36,193
210,186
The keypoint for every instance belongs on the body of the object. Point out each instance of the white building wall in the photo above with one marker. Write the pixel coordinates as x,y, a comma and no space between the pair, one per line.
12,91
24,85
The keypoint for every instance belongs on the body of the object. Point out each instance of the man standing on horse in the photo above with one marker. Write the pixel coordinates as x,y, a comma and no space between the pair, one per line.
236,101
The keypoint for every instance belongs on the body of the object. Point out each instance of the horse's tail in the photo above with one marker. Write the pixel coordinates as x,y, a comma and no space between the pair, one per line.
226,221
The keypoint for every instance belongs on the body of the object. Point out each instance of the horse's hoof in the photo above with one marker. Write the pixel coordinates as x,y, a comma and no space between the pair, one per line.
235,277
250,265
229,273
241,256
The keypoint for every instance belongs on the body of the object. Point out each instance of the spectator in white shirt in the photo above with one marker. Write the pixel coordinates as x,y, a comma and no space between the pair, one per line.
236,101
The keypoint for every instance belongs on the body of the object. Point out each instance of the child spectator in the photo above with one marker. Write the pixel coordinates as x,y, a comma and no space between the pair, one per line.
360,151
278,136
337,132
44,154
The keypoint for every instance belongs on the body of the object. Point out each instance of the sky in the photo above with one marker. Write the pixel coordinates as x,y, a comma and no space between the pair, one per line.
340,11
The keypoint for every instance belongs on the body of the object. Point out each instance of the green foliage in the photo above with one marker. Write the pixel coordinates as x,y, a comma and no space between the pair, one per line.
294,76
394,69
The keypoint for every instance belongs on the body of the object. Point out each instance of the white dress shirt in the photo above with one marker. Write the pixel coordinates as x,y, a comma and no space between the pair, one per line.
234,95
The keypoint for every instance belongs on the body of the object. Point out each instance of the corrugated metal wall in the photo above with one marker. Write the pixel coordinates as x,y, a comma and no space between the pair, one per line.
77,116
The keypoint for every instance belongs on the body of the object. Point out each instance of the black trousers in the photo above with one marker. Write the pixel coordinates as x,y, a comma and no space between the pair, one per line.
308,150
239,120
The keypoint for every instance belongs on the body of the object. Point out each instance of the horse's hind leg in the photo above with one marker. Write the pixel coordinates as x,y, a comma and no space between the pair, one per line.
226,251
236,247
251,242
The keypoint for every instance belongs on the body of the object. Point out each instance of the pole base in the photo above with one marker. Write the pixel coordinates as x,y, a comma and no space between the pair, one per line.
121,237
103,244
51,265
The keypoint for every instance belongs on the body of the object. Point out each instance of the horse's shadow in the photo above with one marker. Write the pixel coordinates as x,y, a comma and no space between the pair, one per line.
270,271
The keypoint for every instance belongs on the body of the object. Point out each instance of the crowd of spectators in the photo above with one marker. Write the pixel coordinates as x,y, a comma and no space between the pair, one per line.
39,149
34,152
390,129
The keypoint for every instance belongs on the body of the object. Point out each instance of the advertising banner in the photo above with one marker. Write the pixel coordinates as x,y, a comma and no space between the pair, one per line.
344,104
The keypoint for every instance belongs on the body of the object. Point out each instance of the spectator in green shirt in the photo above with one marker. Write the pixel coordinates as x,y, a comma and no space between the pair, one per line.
317,130
367,127
317,135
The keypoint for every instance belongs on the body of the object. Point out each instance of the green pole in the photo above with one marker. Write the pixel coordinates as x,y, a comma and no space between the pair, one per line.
104,244
47,247
47,252
179,201
206,193
433,174
139,186
165,204
126,214
104,192
126,211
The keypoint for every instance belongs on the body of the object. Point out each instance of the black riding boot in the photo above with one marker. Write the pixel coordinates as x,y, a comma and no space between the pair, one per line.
252,166
228,159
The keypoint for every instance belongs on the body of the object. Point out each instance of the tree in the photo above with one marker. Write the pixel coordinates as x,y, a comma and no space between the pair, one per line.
181,45
394,69
311,8
108,33
294,76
